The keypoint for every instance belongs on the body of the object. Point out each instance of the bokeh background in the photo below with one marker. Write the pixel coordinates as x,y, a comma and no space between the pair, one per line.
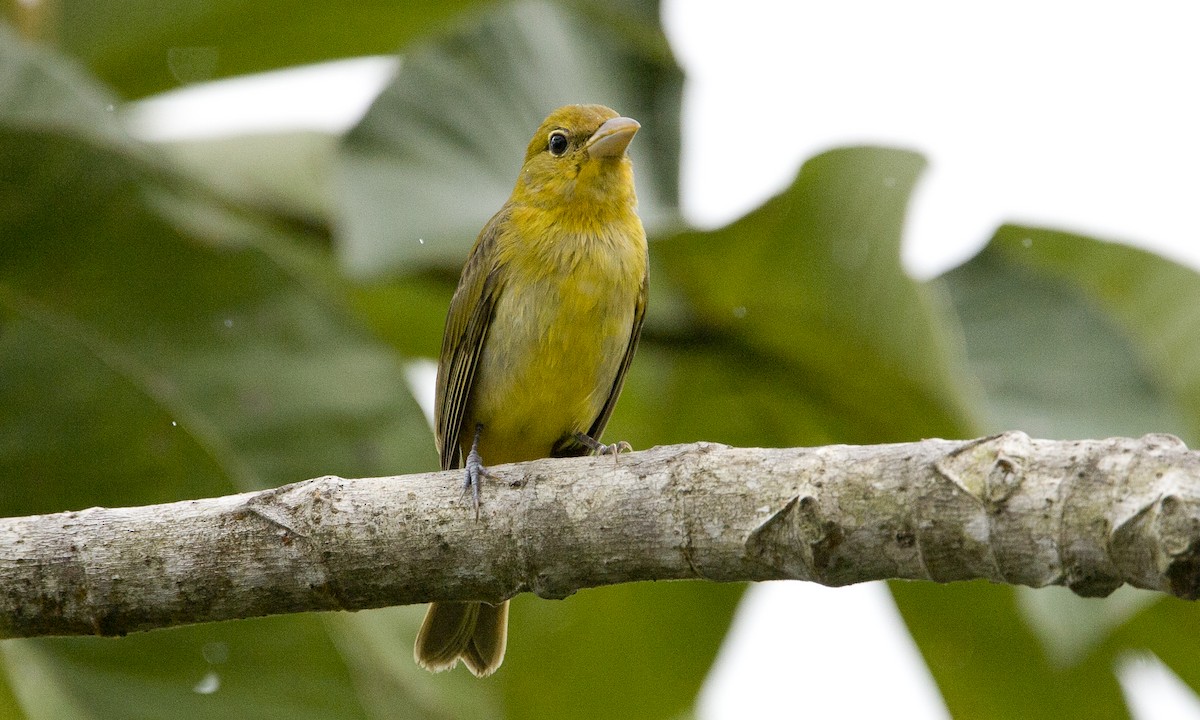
196,301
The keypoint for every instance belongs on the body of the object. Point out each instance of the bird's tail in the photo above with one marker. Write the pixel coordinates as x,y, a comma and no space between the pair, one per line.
474,632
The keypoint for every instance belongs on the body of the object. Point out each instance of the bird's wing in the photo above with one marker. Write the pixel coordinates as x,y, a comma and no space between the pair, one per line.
467,326
639,314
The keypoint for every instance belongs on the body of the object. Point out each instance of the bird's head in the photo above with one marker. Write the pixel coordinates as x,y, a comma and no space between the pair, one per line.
577,160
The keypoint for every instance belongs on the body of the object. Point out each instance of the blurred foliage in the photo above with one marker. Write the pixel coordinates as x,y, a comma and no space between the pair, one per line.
139,47
454,163
794,290
196,318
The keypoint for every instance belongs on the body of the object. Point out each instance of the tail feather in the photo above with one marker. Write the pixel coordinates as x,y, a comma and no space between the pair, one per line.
485,651
476,633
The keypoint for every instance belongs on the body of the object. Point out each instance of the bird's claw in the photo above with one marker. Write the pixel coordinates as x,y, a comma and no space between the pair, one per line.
615,449
475,473
599,448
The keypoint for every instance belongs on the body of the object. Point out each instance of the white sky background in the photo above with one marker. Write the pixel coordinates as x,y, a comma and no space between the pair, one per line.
1083,116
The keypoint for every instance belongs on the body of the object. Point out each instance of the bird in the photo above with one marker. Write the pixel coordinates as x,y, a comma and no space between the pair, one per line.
539,335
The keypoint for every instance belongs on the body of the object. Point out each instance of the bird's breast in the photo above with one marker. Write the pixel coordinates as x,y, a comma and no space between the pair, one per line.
559,332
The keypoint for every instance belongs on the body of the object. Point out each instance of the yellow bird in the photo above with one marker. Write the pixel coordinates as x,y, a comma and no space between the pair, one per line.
540,332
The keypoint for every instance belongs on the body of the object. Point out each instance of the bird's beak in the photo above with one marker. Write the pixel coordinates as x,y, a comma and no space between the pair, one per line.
611,138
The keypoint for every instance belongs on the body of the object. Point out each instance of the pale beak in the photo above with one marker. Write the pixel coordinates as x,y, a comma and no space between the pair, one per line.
611,138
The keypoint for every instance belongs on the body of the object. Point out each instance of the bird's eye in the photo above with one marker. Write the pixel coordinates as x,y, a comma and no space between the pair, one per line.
558,143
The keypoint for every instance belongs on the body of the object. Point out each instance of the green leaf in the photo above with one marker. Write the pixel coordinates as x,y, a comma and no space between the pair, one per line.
629,651
10,707
141,47
721,392
41,92
439,151
409,312
281,668
1168,629
117,315
286,173
264,376
158,343
1070,626
378,647
1075,338
989,664
805,299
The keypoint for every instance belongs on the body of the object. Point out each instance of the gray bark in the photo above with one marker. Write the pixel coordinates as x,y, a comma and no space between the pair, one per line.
1090,515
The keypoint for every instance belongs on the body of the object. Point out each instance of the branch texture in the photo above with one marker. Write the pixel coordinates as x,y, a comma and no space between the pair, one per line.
1090,515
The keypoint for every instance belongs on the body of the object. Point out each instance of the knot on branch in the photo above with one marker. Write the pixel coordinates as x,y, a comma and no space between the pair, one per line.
1179,532
990,469
1130,514
796,541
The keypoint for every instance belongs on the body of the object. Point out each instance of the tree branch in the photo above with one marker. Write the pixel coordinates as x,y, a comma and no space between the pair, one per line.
1089,514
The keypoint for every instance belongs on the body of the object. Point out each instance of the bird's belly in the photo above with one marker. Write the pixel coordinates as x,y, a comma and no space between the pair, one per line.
552,353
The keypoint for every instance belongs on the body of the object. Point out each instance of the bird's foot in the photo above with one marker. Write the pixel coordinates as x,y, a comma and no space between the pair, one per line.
475,472
599,448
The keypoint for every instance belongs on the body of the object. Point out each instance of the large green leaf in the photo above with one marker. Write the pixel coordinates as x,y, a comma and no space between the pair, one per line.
988,664
805,301
1074,338
10,706
1071,627
141,47
1168,629
225,352
288,173
378,647
438,152
630,651
157,344
42,92
720,392
283,668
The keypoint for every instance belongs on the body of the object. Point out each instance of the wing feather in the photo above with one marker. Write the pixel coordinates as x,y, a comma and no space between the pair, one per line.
467,325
